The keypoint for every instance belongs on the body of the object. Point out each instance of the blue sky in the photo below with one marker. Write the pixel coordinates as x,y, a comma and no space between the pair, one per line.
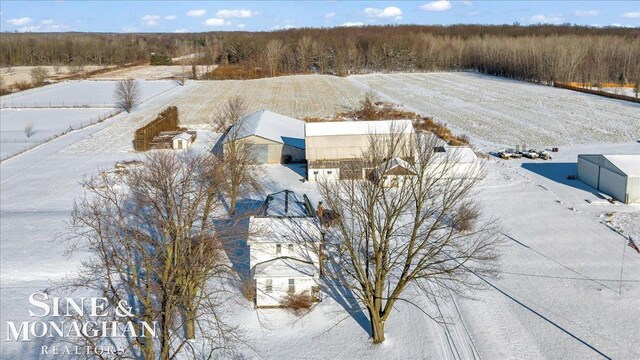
198,16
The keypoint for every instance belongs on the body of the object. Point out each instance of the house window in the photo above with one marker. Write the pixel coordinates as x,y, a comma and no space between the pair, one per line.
278,249
292,285
329,172
268,286
290,248
316,172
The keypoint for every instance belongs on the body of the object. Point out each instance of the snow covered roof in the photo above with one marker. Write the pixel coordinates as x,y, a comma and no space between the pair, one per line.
391,164
358,127
284,267
283,230
459,154
628,164
272,126
183,136
286,204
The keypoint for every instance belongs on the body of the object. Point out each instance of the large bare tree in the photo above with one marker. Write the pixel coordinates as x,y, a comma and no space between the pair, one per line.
238,161
425,229
150,234
273,53
127,94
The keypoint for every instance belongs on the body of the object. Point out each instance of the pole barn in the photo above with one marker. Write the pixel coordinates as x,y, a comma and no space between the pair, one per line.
616,175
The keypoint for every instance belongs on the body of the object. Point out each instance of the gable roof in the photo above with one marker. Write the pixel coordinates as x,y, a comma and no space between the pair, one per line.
183,136
458,154
272,126
283,230
391,164
358,127
286,203
284,267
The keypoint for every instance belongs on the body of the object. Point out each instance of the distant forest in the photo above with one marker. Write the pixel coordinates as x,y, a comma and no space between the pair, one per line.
541,53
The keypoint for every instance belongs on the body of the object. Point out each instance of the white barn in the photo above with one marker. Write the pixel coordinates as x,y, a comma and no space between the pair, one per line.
284,247
335,148
616,175
273,138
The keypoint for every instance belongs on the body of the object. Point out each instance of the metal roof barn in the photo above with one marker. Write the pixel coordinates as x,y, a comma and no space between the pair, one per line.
617,175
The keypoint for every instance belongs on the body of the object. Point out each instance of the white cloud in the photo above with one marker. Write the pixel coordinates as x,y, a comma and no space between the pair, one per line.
29,28
330,15
216,22
196,13
390,11
238,13
20,21
440,5
46,22
150,20
180,31
631,15
353,23
170,17
283,27
240,26
586,13
547,19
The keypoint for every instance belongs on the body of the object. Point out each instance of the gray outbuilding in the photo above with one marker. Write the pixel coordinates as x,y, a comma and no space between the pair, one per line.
272,138
616,175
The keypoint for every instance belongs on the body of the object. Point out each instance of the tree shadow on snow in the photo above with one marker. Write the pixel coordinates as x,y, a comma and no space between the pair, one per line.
235,246
558,172
345,298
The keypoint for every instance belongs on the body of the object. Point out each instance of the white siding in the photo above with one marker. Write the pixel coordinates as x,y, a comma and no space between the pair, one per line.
633,189
261,252
588,172
613,184
280,288
322,174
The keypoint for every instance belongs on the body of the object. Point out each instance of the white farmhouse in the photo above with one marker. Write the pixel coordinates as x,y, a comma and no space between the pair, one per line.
284,244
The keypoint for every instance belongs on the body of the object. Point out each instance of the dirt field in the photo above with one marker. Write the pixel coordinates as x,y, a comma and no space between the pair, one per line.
149,72
495,110
17,74
296,96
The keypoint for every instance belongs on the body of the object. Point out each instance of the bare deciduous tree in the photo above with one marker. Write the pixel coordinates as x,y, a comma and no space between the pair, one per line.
230,113
153,247
426,229
238,162
272,53
127,94
39,75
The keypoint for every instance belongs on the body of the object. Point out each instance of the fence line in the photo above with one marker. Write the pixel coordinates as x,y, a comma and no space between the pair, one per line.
82,125
53,105
597,92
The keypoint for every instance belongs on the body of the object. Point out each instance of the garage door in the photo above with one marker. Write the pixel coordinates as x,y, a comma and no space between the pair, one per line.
259,152
613,184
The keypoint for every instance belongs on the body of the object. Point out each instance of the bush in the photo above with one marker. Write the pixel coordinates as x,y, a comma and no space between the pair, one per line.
39,75
248,289
297,303
157,59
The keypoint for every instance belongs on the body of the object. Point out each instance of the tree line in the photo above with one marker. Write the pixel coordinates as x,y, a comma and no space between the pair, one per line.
541,53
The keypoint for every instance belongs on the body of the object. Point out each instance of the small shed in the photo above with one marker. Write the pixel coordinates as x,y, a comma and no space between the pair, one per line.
617,175
453,162
392,172
273,138
181,141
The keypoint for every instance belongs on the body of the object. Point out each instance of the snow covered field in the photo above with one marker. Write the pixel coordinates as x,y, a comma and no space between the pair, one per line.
81,93
509,112
561,263
295,96
15,74
45,124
